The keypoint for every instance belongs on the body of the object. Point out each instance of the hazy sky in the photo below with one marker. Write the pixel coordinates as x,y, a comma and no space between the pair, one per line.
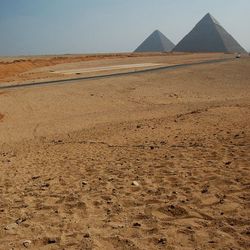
89,26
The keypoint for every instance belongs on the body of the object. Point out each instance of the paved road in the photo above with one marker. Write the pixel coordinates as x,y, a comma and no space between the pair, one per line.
73,80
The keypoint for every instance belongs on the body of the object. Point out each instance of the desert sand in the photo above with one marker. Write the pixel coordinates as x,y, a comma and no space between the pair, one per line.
148,161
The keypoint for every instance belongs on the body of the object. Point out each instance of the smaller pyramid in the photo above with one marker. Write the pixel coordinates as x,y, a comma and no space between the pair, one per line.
209,36
156,42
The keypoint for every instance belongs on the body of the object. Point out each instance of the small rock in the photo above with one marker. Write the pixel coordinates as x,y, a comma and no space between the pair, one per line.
35,177
212,242
20,220
205,189
135,183
136,224
87,235
84,183
11,226
116,225
51,240
162,241
27,243
45,185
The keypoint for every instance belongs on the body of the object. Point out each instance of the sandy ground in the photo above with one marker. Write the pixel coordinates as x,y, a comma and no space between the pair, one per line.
152,161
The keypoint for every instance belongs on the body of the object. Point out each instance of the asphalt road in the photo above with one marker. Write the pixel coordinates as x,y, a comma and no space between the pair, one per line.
73,80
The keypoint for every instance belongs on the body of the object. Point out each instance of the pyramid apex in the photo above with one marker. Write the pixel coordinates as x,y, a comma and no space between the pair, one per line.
208,15
211,18
156,31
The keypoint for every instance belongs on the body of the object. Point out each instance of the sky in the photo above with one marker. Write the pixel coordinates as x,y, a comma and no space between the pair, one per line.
38,27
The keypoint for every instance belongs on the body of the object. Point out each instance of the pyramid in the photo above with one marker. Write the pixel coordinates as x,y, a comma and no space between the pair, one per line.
208,36
156,42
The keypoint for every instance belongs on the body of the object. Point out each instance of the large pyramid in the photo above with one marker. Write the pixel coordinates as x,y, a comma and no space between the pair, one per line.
156,42
208,36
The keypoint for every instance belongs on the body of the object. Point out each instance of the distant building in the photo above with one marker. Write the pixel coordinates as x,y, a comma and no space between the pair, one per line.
209,36
156,42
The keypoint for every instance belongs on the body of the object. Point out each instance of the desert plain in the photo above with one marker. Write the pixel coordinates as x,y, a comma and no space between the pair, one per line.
155,160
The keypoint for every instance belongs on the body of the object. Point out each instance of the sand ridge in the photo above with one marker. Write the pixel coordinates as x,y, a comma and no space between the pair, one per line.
12,67
29,69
